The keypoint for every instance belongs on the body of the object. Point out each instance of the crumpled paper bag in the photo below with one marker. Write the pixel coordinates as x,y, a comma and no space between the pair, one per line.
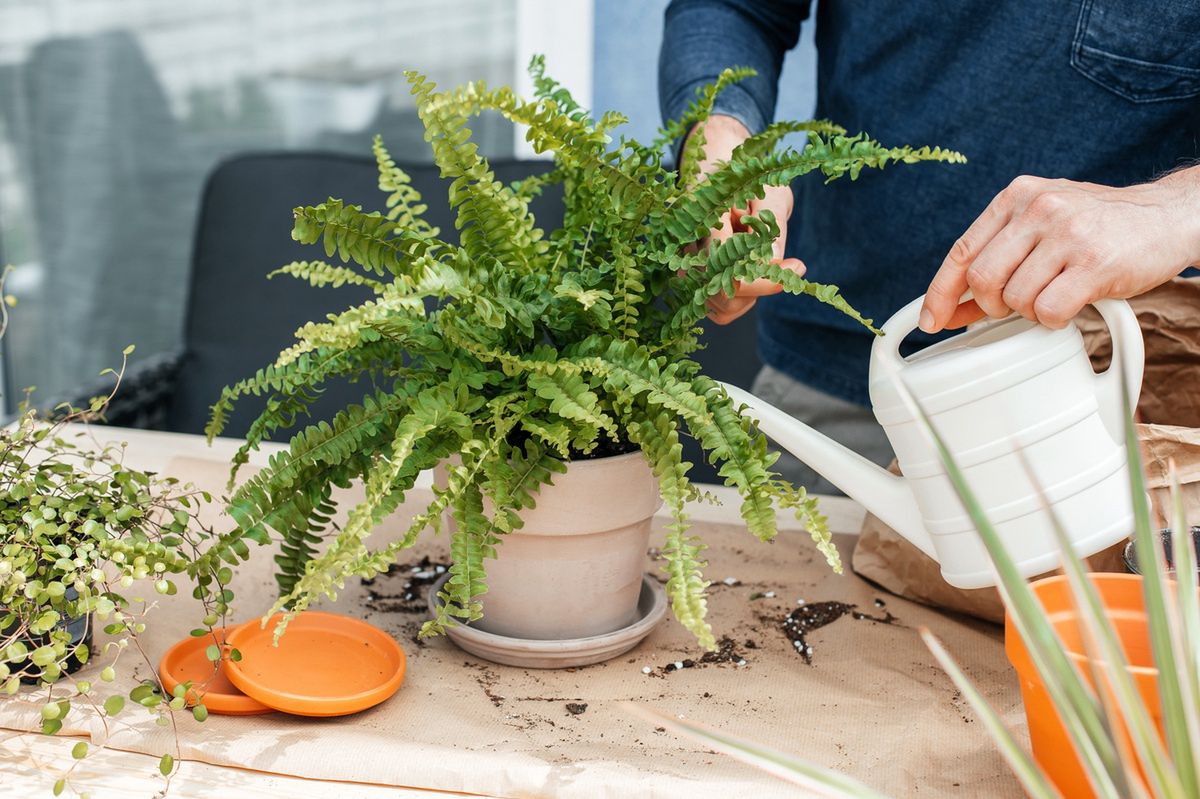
1170,407
1170,320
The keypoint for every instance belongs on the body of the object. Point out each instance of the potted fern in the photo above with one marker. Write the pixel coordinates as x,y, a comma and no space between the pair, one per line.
531,358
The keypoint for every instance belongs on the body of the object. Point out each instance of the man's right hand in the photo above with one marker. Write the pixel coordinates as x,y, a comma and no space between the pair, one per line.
722,134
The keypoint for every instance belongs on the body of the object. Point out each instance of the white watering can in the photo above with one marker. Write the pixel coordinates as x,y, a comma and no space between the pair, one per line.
1003,389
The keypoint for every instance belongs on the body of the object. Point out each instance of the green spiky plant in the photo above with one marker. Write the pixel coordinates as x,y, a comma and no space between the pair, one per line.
1142,765
538,349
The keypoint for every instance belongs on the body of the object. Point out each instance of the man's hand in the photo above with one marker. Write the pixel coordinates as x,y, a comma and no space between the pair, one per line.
1046,248
722,134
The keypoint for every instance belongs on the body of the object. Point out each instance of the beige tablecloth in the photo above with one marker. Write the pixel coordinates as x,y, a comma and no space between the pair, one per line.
872,702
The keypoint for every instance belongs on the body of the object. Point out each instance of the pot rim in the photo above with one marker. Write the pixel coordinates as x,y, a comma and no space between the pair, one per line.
1080,659
583,462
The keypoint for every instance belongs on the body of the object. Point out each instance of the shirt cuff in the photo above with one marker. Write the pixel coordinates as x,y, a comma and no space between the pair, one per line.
733,101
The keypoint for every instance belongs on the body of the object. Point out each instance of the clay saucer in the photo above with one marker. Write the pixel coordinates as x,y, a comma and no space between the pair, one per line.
187,660
534,654
325,664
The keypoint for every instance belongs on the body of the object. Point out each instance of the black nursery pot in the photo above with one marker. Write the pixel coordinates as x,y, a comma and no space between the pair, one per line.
1131,557
79,629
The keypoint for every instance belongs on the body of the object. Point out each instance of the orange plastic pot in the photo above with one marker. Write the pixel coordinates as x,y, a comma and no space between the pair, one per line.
1121,595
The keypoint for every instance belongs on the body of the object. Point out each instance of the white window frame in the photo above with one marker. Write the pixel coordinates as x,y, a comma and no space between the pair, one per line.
563,31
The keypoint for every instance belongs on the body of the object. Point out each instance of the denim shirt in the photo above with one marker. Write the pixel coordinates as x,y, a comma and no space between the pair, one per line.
1093,90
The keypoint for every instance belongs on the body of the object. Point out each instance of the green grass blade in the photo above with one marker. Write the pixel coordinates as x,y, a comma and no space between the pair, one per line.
1022,765
1078,707
1161,613
1109,665
824,781
1187,600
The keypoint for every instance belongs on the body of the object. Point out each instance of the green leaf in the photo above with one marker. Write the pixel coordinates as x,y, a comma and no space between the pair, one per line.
114,704
200,712
43,656
212,652
143,691
79,751
166,765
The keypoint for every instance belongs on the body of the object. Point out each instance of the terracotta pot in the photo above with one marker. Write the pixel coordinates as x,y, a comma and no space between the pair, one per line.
1122,597
575,568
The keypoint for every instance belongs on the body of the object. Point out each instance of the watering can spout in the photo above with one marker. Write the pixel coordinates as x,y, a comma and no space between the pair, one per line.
884,494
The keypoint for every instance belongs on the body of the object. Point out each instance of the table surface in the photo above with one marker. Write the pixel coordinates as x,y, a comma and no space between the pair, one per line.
30,763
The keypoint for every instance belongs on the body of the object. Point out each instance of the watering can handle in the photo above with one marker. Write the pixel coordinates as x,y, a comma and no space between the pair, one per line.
905,321
1128,359
1129,355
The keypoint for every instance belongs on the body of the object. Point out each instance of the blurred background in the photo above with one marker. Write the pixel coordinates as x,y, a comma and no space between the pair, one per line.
115,115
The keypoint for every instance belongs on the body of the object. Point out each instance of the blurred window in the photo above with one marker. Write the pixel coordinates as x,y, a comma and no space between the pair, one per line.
112,112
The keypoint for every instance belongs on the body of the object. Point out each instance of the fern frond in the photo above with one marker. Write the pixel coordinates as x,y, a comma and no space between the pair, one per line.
547,88
628,290
763,144
369,240
534,185
658,437
404,201
390,474
320,273
550,130
743,257
809,514
494,223
629,372
740,179
740,453
571,398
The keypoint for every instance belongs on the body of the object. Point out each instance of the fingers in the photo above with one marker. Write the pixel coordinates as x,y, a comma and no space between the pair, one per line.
951,280
966,314
778,200
1062,300
1031,278
723,309
989,272
764,287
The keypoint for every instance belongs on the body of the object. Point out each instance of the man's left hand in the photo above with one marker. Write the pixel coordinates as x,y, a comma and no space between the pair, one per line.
1046,248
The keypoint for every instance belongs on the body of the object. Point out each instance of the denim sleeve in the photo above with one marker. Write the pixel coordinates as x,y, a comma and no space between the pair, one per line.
703,37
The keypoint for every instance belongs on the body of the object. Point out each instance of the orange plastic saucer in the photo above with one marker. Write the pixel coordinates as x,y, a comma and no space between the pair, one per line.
187,660
325,664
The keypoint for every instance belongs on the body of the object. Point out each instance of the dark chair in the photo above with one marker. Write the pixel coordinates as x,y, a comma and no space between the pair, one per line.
238,321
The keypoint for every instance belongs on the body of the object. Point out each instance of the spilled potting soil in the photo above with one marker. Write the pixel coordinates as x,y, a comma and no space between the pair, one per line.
814,615
414,580
727,652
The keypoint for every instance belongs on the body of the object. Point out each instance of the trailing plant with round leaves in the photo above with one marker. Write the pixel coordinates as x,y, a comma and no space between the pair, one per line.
82,537
519,350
